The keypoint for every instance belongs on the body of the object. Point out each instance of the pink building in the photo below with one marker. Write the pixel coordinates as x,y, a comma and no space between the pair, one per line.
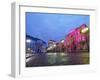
77,40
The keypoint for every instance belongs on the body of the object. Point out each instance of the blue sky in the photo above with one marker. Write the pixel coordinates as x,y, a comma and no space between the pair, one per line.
48,26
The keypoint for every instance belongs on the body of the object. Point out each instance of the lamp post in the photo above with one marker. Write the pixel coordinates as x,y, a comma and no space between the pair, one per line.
85,30
28,41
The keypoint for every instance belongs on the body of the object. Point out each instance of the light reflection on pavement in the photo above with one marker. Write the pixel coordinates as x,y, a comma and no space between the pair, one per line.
50,59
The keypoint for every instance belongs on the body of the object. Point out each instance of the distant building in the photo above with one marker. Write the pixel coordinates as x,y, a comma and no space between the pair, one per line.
60,46
35,45
51,46
51,43
54,46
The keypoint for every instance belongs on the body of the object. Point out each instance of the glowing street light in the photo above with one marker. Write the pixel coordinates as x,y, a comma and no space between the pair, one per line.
54,45
62,41
51,47
84,30
28,40
29,49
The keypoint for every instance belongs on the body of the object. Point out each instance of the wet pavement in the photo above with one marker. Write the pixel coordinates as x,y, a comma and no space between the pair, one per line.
53,59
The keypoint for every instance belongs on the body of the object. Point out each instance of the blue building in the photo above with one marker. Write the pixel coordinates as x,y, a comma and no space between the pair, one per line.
35,45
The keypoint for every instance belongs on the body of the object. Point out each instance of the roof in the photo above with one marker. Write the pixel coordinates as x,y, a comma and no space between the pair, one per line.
34,39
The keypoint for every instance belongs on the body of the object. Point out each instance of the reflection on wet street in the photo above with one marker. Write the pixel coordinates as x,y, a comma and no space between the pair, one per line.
73,49
49,59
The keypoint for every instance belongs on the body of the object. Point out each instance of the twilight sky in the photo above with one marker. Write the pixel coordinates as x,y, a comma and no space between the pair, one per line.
48,26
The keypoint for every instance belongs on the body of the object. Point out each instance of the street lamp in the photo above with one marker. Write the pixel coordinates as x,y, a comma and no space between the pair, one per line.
54,45
28,40
84,30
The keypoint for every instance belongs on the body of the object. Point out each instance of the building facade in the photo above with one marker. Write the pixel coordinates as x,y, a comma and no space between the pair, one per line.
35,45
77,40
